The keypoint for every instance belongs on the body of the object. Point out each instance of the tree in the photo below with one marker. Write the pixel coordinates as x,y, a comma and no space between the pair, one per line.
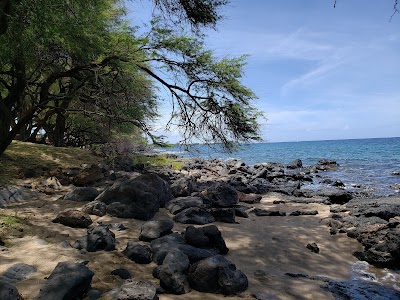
80,57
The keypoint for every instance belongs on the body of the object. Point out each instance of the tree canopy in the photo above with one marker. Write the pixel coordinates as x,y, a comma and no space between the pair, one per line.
76,71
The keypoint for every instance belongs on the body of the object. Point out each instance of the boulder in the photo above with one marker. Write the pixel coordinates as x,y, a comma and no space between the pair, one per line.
122,273
95,208
296,164
9,292
241,212
224,215
194,215
173,272
196,237
73,218
140,254
68,281
216,274
381,248
223,195
137,290
382,210
182,187
208,237
88,176
176,205
175,241
138,198
82,194
97,239
154,229
336,196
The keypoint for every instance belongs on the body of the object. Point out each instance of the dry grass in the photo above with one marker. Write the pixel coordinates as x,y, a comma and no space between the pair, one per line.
42,159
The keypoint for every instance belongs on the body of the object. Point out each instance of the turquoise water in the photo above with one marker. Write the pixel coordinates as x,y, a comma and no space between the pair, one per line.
368,162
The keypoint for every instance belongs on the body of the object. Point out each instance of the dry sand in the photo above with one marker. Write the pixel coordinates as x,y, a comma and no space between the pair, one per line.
264,248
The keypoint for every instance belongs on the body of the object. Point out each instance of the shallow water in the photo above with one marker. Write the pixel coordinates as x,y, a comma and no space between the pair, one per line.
366,164
362,270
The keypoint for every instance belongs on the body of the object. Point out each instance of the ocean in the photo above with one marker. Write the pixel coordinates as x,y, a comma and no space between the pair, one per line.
364,164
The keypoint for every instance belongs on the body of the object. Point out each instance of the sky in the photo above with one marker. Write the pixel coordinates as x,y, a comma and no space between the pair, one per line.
319,72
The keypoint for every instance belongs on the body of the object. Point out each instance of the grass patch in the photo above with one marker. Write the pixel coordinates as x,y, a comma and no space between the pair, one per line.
161,160
40,158
11,225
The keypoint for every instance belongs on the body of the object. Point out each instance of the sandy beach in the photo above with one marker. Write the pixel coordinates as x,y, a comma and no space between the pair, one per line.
264,248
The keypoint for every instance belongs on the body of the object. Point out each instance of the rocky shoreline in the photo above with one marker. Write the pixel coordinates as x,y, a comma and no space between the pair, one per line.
202,193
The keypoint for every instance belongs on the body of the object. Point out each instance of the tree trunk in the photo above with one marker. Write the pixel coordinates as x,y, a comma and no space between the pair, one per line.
5,127
59,130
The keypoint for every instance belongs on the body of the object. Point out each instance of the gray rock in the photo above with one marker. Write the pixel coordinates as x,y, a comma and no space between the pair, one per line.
176,205
224,215
249,198
95,208
122,273
82,194
154,229
138,198
313,247
97,239
208,237
217,275
304,213
194,215
361,290
262,212
223,195
241,212
296,164
182,187
9,292
74,218
88,176
18,272
137,290
93,294
140,254
196,237
173,273
381,248
160,248
68,281
336,196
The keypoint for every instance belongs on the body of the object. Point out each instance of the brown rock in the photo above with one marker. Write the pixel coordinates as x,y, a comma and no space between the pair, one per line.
249,198
73,218
88,175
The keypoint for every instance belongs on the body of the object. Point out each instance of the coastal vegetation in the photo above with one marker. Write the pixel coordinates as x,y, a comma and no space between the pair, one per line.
77,73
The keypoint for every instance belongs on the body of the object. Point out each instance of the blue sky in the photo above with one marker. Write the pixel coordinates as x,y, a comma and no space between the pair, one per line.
319,72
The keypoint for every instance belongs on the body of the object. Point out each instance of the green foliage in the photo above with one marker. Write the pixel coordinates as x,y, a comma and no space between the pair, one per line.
161,160
211,104
79,73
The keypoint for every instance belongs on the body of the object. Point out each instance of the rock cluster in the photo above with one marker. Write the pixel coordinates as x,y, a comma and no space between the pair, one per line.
205,191
375,223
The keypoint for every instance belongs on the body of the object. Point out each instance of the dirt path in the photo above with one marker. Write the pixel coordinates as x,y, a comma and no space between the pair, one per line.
264,248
